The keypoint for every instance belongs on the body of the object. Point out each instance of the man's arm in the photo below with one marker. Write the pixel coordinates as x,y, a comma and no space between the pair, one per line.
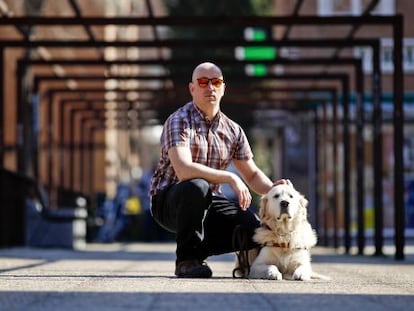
254,176
185,169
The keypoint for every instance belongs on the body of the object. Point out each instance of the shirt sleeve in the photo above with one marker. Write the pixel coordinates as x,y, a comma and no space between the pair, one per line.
243,150
175,133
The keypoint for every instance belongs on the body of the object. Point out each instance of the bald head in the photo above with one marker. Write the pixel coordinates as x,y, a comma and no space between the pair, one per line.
206,67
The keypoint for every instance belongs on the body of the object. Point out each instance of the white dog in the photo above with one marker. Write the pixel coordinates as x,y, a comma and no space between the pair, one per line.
285,235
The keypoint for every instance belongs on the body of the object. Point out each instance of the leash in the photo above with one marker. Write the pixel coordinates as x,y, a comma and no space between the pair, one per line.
240,241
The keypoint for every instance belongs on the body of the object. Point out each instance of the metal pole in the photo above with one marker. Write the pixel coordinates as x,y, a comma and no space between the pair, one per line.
377,150
72,149
61,147
324,191
50,138
2,101
360,158
398,118
346,160
335,147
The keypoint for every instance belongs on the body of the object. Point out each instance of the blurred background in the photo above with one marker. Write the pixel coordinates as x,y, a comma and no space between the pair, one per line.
324,89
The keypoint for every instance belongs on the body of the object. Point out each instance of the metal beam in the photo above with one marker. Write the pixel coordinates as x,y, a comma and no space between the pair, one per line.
201,21
186,43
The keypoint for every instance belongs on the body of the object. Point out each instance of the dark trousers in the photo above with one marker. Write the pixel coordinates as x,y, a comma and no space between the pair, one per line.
204,223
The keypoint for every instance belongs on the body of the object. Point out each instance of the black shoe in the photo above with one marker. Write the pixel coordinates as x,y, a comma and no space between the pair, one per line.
192,269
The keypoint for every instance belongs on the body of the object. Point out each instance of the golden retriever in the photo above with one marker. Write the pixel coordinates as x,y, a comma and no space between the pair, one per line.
285,236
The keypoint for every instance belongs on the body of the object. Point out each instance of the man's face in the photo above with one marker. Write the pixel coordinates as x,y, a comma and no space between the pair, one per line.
207,87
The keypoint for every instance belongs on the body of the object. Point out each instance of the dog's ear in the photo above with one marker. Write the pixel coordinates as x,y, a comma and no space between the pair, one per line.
263,207
303,203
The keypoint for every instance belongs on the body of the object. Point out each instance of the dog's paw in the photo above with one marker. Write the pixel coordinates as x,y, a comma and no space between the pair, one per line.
302,273
273,273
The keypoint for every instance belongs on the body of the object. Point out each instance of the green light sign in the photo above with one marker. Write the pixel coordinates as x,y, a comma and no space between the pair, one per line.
255,52
256,70
255,34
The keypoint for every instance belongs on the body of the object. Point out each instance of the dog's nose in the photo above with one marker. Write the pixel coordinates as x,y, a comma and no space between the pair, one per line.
284,204
284,207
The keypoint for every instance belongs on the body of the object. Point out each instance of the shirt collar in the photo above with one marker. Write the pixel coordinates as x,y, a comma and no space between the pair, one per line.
204,118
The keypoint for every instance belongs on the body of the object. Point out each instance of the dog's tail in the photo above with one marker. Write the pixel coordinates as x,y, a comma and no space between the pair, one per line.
319,276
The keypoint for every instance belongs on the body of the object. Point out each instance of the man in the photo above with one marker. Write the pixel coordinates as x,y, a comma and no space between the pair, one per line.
198,143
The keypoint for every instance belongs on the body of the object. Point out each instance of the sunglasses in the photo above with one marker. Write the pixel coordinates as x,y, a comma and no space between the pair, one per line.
216,82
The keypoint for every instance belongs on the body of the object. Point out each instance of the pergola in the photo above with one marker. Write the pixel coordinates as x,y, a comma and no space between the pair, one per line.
327,82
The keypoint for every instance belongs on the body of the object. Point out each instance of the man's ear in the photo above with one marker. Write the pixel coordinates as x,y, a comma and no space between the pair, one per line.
191,87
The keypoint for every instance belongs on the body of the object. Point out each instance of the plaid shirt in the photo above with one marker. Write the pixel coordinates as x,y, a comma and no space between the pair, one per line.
214,144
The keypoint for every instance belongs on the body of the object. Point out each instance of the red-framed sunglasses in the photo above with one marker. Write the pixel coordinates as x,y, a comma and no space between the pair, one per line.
216,82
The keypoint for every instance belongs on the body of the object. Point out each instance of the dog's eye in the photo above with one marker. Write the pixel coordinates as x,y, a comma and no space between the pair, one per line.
291,196
276,196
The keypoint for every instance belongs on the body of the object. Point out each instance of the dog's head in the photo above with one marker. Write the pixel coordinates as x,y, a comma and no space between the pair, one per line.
283,203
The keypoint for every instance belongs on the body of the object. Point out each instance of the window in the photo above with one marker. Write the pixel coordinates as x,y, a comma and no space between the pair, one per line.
336,7
386,56
341,6
353,7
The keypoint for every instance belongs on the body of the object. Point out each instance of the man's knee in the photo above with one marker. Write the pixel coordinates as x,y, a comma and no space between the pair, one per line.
194,196
197,187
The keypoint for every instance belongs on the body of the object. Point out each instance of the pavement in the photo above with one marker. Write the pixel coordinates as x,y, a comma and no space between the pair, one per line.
139,276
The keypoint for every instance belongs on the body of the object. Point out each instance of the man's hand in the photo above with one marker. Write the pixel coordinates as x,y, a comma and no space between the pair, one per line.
283,181
242,192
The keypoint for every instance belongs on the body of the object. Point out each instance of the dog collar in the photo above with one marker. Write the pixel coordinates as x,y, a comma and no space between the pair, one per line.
281,245
274,244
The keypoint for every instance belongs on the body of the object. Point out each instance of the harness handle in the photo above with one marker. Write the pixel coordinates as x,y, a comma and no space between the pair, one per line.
240,242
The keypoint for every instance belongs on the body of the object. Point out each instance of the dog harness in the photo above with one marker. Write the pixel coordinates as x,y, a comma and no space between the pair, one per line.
276,244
